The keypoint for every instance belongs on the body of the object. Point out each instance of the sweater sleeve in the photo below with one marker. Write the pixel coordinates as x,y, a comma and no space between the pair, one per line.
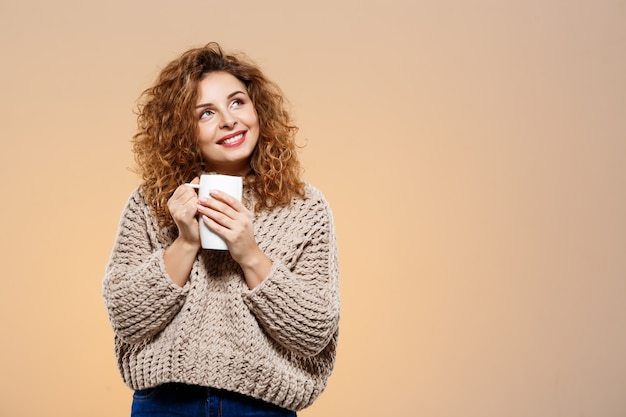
139,295
298,303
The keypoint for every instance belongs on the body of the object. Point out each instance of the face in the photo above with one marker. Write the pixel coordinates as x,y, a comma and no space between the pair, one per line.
228,124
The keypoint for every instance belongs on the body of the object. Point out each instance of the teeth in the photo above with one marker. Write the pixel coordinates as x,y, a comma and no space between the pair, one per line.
233,139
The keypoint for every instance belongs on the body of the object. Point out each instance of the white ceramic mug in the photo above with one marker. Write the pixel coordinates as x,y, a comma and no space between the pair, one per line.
225,183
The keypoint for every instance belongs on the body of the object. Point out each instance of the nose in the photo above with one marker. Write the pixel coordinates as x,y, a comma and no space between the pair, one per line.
228,121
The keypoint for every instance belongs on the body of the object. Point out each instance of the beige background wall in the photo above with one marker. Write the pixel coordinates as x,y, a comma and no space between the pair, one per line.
474,153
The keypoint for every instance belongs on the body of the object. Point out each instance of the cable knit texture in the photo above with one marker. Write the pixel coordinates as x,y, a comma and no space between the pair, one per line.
276,342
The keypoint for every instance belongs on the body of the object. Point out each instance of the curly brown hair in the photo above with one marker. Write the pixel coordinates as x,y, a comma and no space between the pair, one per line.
166,147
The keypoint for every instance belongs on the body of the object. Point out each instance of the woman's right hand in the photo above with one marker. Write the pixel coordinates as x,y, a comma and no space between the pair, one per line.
180,255
182,206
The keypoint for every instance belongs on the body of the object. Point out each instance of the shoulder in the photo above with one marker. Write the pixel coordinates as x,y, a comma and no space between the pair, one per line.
138,215
313,200
136,204
312,203
136,199
314,195
313,206
307,218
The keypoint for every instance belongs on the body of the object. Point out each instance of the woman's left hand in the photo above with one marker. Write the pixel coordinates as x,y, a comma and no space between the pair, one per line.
230,219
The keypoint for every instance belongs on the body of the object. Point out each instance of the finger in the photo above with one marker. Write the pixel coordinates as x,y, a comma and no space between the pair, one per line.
212,205
226,220
185,193
182,204
216,227
181,194
226,198
194,184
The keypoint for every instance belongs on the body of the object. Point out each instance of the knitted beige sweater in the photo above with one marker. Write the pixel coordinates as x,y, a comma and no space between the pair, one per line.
276,342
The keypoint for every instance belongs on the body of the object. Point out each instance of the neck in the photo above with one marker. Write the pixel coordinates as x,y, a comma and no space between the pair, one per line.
240,171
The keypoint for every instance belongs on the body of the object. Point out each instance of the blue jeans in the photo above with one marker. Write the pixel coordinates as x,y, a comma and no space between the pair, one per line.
180,400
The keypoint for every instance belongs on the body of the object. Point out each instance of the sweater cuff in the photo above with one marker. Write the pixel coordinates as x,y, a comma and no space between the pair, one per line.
251,293
163,272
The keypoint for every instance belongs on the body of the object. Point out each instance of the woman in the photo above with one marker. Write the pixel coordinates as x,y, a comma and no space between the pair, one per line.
248,331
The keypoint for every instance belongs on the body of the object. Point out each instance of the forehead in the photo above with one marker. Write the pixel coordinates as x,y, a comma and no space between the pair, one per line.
219,84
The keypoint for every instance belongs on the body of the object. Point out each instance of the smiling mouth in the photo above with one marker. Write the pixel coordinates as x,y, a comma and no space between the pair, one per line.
233,140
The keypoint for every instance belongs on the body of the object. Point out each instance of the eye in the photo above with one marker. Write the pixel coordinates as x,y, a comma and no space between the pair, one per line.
237,102
205,113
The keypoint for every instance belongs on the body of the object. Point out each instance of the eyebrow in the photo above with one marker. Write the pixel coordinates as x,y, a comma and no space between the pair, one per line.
231,95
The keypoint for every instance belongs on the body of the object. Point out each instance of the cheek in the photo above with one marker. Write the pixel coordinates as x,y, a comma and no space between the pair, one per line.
205,133
253,119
